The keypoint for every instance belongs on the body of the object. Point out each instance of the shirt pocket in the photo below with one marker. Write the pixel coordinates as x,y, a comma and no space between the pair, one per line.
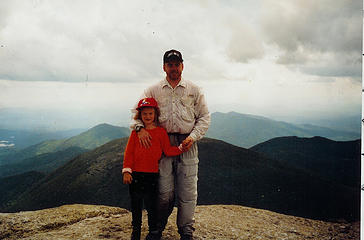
188,110
163,108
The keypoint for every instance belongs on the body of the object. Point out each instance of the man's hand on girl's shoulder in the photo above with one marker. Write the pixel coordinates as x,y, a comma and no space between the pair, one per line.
144,138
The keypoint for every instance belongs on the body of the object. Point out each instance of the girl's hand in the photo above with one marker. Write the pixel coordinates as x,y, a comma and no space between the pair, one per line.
183,149
187,143
127,178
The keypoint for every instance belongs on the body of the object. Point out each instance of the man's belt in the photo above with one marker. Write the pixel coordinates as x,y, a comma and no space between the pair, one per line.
178,134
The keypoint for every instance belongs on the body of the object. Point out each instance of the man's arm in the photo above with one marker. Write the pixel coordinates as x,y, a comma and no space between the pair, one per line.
202,122
203,118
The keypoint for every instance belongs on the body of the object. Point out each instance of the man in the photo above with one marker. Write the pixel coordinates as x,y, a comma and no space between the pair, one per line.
185,116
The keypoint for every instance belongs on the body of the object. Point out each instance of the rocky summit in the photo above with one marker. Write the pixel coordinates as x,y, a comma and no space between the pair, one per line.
212,222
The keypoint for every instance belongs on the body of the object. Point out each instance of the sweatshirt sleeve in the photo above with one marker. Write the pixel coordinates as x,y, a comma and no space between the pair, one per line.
166,145
129,153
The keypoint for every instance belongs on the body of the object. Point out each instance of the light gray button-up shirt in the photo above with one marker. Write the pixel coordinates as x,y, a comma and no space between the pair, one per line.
183,109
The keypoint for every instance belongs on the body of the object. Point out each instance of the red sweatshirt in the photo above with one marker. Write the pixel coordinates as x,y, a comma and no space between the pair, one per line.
140,159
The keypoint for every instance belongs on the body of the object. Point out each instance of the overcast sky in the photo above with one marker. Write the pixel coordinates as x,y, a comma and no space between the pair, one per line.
271,58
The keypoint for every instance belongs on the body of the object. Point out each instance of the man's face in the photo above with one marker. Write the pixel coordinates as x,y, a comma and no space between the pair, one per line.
173,70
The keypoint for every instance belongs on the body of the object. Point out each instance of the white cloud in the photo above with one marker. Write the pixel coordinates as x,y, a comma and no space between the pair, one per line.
7,145
71,96
318,37
244,44
118,42
56,41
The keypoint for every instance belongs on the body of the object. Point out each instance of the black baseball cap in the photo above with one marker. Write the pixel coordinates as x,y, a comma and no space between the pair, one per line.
172,55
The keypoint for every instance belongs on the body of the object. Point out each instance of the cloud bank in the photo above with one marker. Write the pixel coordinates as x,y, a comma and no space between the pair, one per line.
115,41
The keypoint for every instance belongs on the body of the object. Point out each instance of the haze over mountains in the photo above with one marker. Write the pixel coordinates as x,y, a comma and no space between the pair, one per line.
246,130
243,130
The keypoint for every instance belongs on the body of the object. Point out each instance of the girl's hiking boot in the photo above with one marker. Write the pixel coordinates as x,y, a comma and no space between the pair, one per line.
135,235
154,236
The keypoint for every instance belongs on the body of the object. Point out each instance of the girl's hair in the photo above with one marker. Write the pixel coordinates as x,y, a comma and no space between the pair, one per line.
138,115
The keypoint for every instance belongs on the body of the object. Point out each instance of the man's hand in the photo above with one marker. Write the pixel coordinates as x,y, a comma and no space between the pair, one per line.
144,138
127,178
187,143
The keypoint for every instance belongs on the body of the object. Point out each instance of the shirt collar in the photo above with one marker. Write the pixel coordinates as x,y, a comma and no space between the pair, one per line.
181,83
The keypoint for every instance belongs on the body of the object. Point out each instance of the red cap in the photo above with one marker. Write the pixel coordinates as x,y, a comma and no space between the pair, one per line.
147,102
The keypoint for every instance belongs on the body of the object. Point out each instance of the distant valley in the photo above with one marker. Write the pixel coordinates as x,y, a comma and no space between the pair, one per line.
48,155
25,138
13,141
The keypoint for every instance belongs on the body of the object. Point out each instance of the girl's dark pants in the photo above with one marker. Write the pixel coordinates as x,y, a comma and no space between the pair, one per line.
144,187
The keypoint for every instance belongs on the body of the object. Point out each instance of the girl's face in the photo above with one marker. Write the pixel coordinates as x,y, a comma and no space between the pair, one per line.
148,116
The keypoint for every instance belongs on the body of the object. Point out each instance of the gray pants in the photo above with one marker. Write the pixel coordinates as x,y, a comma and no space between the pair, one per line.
178,183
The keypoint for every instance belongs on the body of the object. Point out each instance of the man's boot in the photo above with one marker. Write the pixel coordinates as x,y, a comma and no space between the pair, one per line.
186,237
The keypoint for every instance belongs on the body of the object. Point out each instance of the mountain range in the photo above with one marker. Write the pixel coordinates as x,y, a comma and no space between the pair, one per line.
313,177
227,175
246,130
48,155
336,161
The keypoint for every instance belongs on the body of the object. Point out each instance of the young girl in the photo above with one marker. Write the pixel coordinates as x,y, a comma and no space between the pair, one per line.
140,167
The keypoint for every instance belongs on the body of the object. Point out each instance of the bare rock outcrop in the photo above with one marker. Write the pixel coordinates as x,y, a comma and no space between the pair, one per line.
212,222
